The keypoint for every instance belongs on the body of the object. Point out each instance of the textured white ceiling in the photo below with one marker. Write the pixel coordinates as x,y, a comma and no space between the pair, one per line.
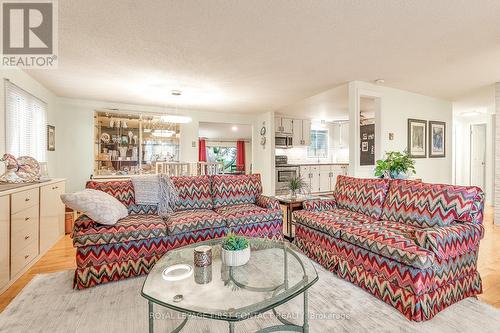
259,55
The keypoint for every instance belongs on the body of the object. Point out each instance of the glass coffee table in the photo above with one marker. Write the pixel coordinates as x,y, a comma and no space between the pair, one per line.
276,273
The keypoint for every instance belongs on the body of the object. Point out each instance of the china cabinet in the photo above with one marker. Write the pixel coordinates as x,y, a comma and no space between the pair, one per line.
127,144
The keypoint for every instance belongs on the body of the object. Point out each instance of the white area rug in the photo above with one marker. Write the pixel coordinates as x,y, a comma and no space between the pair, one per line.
48,304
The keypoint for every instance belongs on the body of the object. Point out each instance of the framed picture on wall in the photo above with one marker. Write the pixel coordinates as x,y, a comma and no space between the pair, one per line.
51,138
437,139
417,136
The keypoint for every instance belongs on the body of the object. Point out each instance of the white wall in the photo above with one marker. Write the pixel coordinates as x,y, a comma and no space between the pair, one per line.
481,100
263,156
26,82
77,156
395,109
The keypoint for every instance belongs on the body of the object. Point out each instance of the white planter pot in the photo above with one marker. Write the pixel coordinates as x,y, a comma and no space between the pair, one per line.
235,258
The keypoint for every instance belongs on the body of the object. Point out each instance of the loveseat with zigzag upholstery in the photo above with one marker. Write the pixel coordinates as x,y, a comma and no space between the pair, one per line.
413,245
207,208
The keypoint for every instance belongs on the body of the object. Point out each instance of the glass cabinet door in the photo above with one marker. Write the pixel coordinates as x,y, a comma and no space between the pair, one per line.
132,144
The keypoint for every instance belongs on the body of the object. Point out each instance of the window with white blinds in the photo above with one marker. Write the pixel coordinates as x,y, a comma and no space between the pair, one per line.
26,123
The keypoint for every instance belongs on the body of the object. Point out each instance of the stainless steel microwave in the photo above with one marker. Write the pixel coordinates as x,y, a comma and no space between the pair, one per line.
283,141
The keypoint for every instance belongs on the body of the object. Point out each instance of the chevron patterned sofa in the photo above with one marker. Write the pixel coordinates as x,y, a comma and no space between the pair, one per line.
411,244
208,207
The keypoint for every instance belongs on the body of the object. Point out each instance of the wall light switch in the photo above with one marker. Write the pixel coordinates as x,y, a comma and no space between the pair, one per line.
391,136
193,144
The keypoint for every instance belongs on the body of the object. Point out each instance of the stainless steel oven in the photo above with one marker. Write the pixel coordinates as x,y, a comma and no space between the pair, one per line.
283,141
283,176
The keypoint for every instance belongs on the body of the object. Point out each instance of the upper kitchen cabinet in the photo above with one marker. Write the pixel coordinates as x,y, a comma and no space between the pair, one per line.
301,132
344,135
283,125
340,135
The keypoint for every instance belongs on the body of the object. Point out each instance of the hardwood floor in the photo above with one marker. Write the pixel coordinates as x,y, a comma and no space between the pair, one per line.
62,257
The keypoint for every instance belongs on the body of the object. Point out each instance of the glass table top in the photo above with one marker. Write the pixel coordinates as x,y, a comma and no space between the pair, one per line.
276,272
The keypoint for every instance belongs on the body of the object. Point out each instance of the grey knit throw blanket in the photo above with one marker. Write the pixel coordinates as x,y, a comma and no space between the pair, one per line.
155,190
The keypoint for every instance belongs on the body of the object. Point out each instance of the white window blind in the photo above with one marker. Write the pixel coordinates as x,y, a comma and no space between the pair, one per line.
26,123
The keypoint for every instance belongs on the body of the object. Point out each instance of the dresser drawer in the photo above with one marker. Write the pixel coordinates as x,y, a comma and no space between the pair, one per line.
23,200
23,238
20,259
24,219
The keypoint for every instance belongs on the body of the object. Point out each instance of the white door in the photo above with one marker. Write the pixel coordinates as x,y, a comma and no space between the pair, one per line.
478,155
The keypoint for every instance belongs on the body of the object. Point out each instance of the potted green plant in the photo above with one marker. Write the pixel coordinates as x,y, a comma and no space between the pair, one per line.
235,250
296,185
397,165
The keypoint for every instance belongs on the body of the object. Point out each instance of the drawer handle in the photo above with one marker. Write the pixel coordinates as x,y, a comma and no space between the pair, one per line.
26,237
55,187
27,199
27,218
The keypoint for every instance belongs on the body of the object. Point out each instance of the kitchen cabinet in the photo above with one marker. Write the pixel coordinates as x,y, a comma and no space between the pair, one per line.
322,178
304,171
283,125
51,215
325,178
301,132
4,241
315,179
344,136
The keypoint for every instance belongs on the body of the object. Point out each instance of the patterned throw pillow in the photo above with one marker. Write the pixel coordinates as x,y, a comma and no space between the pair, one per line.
98,205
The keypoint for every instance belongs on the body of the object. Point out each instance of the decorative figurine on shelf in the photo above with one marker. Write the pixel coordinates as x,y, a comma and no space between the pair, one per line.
24,169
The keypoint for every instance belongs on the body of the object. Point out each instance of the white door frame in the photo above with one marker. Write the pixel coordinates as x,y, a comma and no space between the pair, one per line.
484,125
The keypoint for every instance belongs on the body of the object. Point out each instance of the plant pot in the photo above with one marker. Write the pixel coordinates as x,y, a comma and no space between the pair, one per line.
396,175
235,258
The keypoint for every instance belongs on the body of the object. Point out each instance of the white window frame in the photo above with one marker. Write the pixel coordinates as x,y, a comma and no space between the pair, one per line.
25,123
314,156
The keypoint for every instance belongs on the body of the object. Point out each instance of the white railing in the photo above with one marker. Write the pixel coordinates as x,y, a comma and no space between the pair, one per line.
188,169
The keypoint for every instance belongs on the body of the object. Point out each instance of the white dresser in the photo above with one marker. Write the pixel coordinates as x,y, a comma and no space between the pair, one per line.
31,222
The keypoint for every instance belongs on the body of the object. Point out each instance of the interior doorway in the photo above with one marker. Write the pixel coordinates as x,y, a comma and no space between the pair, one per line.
478,155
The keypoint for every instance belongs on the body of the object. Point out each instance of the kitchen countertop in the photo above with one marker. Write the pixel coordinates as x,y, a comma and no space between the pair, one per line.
6,188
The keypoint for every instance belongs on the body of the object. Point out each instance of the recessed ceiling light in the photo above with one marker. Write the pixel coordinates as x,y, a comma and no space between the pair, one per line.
379,81
176,92
234,128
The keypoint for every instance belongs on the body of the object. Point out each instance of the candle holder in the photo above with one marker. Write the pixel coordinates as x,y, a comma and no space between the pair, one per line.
202,256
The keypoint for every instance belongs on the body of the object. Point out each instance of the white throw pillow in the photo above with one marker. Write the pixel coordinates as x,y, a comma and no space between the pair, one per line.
98,205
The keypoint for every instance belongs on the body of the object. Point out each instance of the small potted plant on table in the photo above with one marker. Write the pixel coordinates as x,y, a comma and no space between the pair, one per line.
235,250
397,165
296,185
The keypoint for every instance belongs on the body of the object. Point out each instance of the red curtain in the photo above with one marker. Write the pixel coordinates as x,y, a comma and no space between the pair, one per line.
240,156
202,150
